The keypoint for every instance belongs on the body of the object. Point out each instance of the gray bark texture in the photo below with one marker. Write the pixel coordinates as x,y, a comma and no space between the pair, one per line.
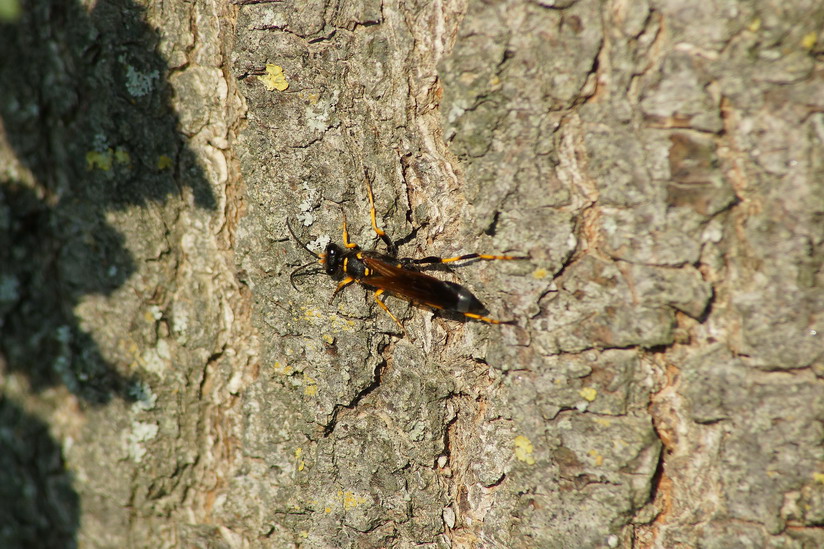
661,163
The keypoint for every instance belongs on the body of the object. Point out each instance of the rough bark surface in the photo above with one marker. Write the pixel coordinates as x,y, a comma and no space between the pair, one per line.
661,164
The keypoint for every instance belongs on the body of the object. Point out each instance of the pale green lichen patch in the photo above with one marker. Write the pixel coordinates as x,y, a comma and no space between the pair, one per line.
524,449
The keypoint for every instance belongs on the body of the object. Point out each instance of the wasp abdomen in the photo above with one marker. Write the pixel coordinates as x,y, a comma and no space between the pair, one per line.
465,302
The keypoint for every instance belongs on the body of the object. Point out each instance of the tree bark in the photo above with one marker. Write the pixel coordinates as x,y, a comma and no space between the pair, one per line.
163,383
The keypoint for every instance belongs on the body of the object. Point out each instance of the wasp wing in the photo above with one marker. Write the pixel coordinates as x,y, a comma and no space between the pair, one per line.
420,288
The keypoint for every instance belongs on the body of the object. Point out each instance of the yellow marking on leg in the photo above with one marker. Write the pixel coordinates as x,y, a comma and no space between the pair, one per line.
505,257
341,285
486,257
346,235
487,319
385,308
380,232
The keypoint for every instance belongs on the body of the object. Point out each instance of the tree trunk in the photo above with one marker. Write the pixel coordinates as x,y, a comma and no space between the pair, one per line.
163,383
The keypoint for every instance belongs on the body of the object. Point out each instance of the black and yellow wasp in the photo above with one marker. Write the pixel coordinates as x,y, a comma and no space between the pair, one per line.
386,273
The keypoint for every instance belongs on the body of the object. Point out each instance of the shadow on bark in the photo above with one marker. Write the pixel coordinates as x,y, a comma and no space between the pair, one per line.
86,112
38,505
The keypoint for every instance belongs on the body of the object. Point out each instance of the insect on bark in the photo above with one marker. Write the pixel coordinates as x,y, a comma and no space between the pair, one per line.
402,277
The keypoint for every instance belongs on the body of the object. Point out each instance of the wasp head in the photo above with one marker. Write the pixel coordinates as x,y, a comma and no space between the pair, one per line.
332,260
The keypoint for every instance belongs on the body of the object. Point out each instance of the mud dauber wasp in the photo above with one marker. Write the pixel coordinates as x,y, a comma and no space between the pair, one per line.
386,273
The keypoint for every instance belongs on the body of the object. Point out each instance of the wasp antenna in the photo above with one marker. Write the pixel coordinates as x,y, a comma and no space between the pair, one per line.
302,245
294,273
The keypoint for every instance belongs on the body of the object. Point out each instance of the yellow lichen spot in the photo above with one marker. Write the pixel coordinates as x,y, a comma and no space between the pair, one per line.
588,393
328,339
10,11
311,388
524,449
313,98
122,156
467,77
619,444
606,422
755,25
344,325
540,273
283,369
299,459
274,79
304,534
596,457
327,509
164,162
99,160
818,477
350,499
808,40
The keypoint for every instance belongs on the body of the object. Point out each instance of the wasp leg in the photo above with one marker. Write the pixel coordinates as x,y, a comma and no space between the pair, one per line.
487,319
385,308
346,235
341,285
380,232
434,259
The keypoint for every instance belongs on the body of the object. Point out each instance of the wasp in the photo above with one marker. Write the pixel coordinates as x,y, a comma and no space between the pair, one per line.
385,273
